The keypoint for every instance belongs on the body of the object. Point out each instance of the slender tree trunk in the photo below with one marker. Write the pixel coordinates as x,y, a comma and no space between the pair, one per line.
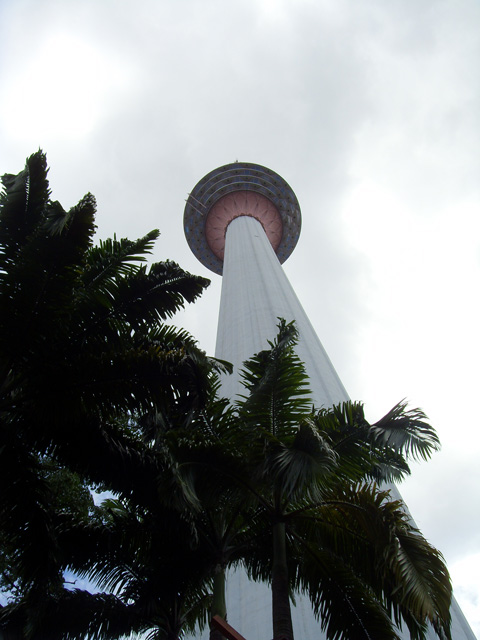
219,607
282,616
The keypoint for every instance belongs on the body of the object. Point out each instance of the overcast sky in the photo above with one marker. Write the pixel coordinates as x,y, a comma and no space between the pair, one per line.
370,109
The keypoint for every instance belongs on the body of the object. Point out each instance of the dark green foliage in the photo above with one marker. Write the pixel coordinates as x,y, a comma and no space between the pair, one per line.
82,345
97,392
346,544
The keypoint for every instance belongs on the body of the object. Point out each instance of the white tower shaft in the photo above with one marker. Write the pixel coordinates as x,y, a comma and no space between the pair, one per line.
255,293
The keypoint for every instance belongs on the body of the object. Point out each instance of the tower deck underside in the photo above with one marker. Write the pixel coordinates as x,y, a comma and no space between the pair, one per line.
255,293
244,188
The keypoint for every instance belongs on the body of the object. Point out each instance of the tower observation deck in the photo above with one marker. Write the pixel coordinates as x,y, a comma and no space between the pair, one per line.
240,189
243,221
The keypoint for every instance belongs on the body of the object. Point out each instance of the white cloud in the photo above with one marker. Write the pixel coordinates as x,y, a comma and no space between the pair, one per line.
63,90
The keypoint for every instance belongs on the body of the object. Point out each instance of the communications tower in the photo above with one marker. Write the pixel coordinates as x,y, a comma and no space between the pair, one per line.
243,221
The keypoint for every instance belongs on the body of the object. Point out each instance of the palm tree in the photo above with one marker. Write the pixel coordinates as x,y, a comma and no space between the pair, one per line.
335,534
206,464
83,344
95,384
147,564
159,567
272,467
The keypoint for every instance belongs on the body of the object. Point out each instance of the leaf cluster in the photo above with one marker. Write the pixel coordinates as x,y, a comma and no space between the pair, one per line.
96,391
84,351
350,547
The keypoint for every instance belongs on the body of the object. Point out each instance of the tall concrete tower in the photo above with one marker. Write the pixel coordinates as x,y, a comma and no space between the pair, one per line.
243,221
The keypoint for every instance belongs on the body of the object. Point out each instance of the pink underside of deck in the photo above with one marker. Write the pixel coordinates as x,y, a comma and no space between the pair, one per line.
241,203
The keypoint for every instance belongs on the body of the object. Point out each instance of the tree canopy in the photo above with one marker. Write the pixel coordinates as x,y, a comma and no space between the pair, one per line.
83,347
98,393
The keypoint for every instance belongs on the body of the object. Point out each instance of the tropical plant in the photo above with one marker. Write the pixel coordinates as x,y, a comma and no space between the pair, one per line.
83,345
97,391
204,465
159,568
336,535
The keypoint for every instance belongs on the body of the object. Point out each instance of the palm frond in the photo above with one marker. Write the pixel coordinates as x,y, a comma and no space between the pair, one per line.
376,451
406,432
344,604
301,467
22,206
374,536
277,386
71,615
112,258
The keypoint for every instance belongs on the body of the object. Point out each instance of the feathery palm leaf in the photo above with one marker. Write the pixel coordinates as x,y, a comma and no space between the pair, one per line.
361,529
406,432
82,345
330,531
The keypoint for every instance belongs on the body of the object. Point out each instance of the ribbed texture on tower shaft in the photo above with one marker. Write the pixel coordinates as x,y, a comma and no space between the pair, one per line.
255,293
